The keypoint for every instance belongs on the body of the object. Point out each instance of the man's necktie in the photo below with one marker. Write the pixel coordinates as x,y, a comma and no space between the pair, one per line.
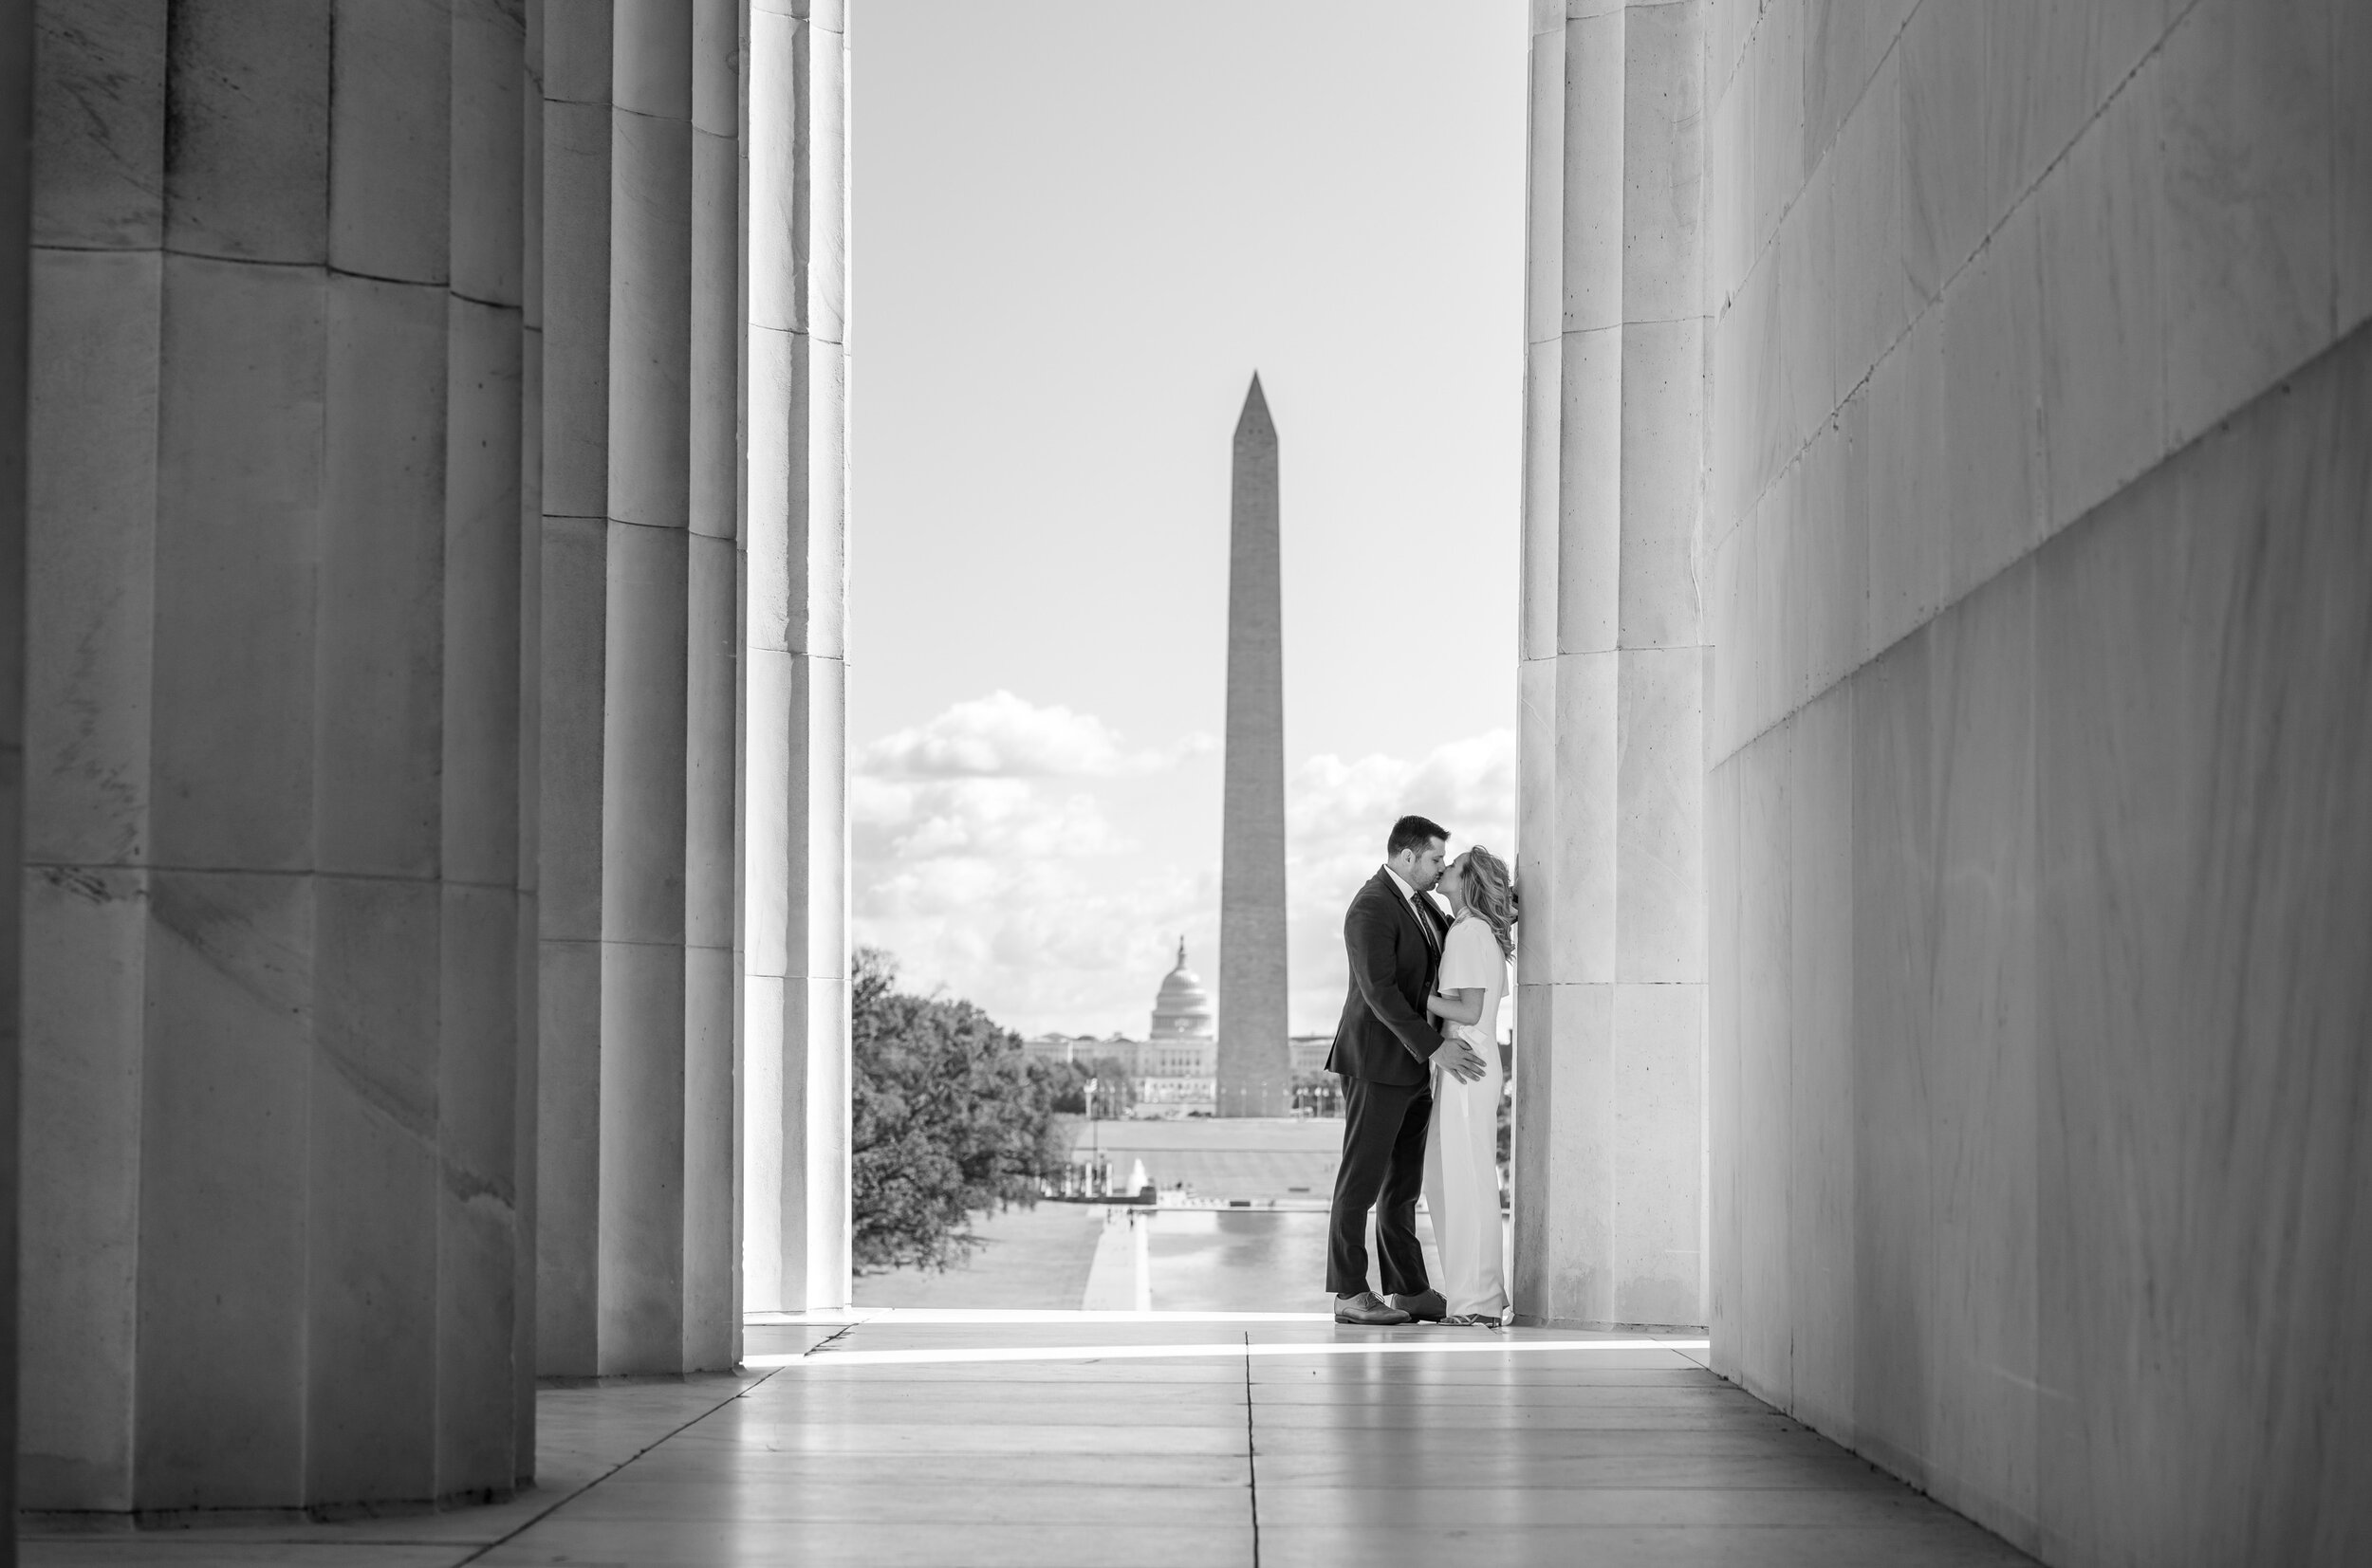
1417,907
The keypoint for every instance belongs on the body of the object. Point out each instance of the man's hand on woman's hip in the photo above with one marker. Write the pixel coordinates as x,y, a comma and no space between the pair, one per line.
1459,1060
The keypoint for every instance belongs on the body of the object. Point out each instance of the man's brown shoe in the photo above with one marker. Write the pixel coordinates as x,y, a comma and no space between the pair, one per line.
1365,1310
1426,1307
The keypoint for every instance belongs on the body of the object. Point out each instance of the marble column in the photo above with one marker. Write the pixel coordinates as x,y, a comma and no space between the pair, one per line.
794,848
487,943
574,493
527,1104
1610,1189
1255,1057
641,216
274,1037
712,1254
16,136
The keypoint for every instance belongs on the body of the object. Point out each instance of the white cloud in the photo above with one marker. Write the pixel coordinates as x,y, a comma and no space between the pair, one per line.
1339,812
988,862
985,868
1073,946
1004,736
976,819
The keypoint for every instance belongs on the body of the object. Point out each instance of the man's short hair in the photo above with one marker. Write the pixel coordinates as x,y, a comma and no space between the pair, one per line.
1413,833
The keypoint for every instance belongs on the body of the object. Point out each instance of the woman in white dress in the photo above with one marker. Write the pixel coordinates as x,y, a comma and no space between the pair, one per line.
1462,1147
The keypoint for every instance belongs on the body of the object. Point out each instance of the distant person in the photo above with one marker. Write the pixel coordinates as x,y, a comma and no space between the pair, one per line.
1388,1052
1462,1154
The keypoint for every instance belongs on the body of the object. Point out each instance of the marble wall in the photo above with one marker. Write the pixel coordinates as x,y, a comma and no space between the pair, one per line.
2038,802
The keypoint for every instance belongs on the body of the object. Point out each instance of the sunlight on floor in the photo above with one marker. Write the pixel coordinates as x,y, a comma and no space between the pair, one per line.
922,1438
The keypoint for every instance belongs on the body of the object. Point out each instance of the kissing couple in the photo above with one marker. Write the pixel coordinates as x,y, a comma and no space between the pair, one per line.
1418,1056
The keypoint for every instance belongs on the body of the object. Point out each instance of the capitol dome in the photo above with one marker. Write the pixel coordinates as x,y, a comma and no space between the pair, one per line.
1182,1011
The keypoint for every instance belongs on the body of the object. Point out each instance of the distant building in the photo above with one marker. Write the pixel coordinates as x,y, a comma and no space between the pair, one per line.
1084,1048
1176,1071
1181,1066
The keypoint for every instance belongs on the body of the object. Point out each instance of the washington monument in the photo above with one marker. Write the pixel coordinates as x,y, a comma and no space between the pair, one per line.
1256,1058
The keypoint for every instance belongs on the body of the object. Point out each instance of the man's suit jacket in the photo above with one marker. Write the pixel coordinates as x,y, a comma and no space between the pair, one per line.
1385,1035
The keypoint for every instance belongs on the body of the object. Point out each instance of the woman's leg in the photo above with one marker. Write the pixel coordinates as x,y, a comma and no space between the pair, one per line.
1455,1215
1482,1286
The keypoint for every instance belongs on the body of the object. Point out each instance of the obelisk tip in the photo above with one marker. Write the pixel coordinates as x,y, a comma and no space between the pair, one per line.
1255,414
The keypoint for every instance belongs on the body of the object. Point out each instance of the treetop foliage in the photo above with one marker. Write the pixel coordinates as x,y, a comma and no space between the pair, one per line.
950,1119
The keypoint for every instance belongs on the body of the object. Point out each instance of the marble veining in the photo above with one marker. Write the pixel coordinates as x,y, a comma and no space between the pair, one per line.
2070,918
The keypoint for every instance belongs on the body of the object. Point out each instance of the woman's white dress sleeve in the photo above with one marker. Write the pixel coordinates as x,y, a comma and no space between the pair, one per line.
1469,957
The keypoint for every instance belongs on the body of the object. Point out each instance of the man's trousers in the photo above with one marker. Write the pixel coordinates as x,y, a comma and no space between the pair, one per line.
1382,1169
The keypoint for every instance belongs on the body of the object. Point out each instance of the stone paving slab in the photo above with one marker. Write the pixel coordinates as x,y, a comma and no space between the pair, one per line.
1151,1441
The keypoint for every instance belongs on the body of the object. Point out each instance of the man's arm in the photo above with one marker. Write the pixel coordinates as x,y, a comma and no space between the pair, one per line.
1368,938
1463,1005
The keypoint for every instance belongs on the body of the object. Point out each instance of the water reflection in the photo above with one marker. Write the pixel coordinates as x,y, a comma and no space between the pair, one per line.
1062,1257
1246,1259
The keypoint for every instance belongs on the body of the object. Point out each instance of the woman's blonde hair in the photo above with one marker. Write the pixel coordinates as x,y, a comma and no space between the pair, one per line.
1489,892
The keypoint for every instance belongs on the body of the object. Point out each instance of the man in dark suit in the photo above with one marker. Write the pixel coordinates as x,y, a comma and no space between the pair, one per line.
1384,1048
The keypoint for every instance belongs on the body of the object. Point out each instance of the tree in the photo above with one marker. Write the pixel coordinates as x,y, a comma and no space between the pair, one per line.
949,1118
1115,1090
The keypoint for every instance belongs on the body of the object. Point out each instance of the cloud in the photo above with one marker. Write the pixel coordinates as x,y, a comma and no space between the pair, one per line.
1077,943
1004,736
987,860
987,869
990,819
1339,812
1337,816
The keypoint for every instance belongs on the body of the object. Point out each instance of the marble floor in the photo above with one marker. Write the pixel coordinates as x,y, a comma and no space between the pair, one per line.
967,1440
1064,1256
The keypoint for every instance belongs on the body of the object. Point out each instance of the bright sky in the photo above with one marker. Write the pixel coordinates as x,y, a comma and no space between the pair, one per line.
1080,227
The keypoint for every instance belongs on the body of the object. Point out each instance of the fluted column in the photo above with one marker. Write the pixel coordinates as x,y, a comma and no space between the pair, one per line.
17,138
1609,1201
526,1105
640,1130
485,1388
794,861
641,219
273,1030
574,617
712,1251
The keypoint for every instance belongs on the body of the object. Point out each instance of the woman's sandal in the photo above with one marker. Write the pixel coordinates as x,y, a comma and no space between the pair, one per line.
1470,1319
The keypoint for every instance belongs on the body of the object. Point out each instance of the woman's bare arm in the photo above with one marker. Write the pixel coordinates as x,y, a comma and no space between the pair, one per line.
1459,1006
